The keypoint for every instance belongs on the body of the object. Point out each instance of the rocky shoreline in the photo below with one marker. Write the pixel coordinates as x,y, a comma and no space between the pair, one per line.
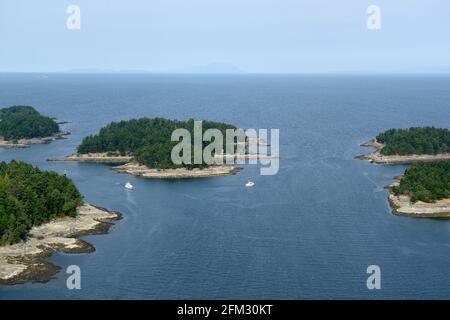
377,157
402,205
93,158
25,143
142,171
125,164
23,262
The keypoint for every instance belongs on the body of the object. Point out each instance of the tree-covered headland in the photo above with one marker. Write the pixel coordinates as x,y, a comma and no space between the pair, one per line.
148,140
24,122
426,182
422,140
29,197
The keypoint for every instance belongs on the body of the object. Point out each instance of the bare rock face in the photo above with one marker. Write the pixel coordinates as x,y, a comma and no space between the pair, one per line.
402,205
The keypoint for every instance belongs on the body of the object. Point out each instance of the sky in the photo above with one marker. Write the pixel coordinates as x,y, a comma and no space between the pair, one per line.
255,36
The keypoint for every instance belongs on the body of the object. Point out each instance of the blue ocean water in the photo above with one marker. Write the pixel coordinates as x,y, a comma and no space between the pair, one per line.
310,231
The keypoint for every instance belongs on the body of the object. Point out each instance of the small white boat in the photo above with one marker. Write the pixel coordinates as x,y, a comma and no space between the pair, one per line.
249,184
129,186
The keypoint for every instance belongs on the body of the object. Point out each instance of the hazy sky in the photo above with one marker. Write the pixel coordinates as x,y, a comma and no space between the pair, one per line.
254,35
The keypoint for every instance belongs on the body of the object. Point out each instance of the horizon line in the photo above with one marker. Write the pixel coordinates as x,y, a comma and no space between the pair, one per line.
112,72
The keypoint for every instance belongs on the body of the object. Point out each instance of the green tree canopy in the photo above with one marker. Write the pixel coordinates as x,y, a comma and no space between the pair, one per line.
23,122
29,197
147,139
426,140
426,182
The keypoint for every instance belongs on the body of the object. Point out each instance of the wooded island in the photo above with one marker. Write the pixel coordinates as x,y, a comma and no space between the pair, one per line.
21,126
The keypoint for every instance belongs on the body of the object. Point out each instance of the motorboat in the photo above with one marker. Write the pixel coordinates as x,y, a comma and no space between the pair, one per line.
129,186
249,184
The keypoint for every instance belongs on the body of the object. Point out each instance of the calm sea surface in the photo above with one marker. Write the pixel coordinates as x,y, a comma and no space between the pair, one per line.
310,231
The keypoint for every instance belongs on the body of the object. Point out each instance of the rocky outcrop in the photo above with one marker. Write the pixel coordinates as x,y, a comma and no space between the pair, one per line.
23,262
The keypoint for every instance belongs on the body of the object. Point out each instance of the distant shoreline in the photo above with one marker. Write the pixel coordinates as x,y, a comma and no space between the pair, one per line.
23,262
25,143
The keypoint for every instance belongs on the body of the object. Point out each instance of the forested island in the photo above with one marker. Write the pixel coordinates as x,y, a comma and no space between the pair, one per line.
424,189
41,212
411,145
21,126
148,140
143,147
